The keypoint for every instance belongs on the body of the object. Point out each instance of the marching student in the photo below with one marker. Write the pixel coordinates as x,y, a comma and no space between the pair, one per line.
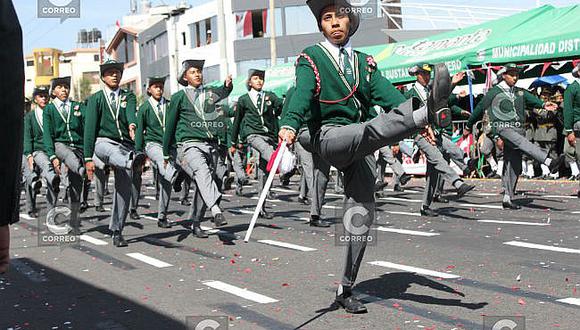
506,105
336,87
63,141
34,148
110,126
256,122
572,112
149,138
192,113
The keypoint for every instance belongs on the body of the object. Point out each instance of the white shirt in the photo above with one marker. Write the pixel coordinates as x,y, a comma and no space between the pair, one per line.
38,115
58,104
108,92
504,86
254,97
334,50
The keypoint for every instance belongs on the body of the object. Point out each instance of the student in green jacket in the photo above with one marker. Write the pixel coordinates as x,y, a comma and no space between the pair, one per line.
572,112
63,141
34,148
110,125
256,122
506,105
192,114
336,87
149,138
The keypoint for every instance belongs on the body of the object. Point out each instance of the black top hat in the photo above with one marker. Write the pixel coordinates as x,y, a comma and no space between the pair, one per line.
420,67
112,65
254,72
316,6
186,65
60,81
510,67
40,90
154,80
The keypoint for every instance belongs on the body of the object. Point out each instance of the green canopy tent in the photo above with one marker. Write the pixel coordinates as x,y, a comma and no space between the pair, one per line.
542,34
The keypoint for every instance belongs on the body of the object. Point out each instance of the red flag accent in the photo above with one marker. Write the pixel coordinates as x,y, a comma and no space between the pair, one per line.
545,67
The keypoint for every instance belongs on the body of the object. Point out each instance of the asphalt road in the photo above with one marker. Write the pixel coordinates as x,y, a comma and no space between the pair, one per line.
474,261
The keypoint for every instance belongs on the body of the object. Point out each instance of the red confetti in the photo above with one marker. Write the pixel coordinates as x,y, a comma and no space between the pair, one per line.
450,267
396,305
236,254
232,261
247,270
521,302
285,284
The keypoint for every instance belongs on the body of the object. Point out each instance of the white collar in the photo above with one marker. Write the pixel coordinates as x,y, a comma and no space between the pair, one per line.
58,103
199,89
503,85
335,50
154,102
422,90
38,115
108,92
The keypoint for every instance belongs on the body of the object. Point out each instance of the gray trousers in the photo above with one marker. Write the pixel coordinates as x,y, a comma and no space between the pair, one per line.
350,149
435,181
187,183
265,146
453,151
101,181
119,156
29,177
320,179
435,157
306,163
221,166
386,158
198,207
155,153
515,143
73,159
198,160
136,182
238,165
46,171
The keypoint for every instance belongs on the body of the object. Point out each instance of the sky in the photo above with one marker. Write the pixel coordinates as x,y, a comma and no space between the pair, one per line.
102,14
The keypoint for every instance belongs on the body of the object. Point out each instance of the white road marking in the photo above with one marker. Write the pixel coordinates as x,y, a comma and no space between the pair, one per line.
211,230
404,213
560,196
151,198
26,216
515,222
407,232
334,207
284,190
571,301
417,270
227,195
269,200
149,260
334,195
401,199
93,240
242,293
148,217
286,245
407,191
486,194
542,247
496,207
242,211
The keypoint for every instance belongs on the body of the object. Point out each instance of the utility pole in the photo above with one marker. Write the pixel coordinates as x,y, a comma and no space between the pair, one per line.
221,35
273,56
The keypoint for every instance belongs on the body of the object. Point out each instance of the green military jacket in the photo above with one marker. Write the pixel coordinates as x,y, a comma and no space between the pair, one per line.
373,89
58,128
251,120
505,109
103,121
188,122
33,134
150,126
571,106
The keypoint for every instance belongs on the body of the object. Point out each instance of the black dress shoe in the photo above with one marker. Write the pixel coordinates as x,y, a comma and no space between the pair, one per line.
350,304
316,221
219,220
428,212
107,192
36,185
440,199
265,214
303,200
239,191
185,202
493,175
578,193
118,240
33,214
99,208
163,223
138,160
379,186
272,195
134,215
56,184
472,164
556,163
510,206
464,189
84,207
228,183
198,232
398,188
438,110
177,180
404,179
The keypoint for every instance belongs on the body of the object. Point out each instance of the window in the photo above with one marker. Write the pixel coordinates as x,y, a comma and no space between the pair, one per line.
96,58
299,20
156,48
126,50
203,32
277,20
30,63
44,65
211,73
92,76
256,23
